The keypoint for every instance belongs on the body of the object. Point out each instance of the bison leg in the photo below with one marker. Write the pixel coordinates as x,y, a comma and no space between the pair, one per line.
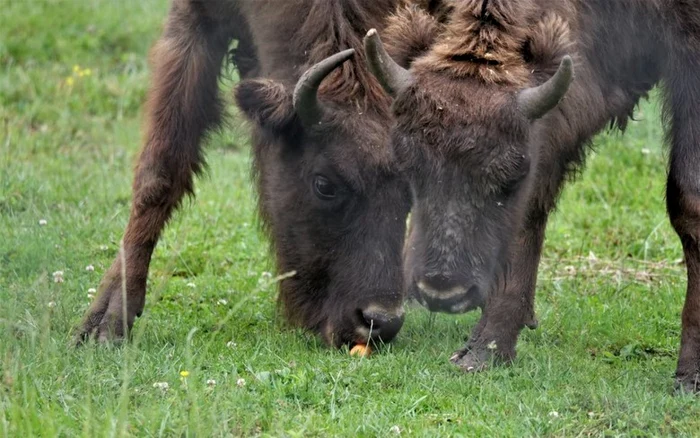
510,306
683,204
183,105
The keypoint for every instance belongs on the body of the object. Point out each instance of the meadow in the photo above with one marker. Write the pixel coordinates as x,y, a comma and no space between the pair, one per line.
210,356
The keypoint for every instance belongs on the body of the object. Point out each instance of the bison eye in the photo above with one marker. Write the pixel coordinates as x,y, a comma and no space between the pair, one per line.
323,188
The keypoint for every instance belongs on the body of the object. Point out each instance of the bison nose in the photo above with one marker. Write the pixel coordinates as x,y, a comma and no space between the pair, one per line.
437,283
441,293
383,324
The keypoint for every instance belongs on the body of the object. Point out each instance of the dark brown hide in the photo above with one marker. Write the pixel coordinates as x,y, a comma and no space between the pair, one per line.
485,177
344,250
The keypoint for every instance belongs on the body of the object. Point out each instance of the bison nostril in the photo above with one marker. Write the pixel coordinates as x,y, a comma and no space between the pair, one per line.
382,323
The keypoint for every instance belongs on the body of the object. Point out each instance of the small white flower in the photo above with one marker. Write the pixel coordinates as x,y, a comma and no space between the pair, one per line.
163,386
222,302
554,414
192,285
104,247
646,151
395,430
211,382
58,277
231,344
92,290
51,304
240,382
42,222
264,277
492,345
89,268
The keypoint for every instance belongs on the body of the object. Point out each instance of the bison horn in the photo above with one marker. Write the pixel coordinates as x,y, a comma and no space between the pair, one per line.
535,102
392,77
306,103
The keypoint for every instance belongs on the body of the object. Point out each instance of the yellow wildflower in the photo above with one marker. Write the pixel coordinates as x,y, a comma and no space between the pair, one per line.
184,373
70,81
76,68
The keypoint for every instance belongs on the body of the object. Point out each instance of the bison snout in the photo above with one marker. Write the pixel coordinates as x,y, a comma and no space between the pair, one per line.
381,324
444,293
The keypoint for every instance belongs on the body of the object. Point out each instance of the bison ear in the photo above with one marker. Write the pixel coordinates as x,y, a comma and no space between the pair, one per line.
266,103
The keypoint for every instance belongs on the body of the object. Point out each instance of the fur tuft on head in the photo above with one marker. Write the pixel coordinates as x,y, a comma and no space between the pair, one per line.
410,33
484,39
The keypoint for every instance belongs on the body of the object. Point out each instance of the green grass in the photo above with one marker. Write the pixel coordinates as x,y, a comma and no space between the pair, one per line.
609,298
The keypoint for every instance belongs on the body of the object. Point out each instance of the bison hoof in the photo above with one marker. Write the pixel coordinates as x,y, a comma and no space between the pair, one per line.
469,361
476,357
107,329
107,321
473,359
688,384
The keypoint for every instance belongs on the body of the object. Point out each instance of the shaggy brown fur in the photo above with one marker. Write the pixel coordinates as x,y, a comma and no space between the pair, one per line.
341,268
409,33
486,177
483,40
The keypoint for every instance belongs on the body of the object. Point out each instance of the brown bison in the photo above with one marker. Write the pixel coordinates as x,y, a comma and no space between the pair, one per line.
329,193
489,123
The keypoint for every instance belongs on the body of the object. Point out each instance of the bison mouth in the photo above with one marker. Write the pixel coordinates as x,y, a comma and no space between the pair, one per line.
374,324
456,299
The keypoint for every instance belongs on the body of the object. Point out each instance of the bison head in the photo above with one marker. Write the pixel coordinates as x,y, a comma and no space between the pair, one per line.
333,202
468,149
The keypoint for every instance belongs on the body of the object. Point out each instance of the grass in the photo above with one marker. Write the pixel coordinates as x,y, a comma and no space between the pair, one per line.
609,298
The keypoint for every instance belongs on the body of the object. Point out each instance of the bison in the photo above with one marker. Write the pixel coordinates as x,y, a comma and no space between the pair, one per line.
490,122
330,195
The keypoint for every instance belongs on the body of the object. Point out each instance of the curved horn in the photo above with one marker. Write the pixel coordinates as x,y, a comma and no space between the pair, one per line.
390,75
535,102
305,101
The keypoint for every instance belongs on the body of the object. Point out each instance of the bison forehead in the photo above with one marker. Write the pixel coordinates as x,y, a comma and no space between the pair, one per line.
450,120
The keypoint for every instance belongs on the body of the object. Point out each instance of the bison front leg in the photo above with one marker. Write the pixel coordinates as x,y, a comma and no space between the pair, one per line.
683,204
510,306
183,105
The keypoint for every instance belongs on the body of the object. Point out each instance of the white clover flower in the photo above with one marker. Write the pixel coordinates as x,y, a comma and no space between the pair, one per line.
58,277
211,382
240,382
163,386
89,268
42,222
